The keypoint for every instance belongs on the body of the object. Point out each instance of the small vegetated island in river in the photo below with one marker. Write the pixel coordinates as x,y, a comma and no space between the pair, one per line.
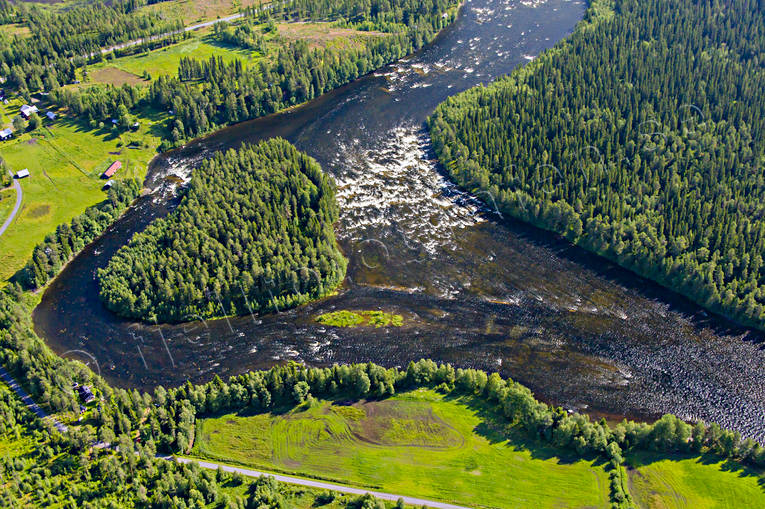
254,232
345,318
641,137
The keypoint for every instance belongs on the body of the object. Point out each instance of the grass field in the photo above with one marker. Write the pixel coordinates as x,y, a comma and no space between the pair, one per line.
7,201
65,160
115,76
417,443
325,35
347,318
12,29
163,61
696,482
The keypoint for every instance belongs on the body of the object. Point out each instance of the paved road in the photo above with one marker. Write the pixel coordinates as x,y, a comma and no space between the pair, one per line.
323,485
189,28
15,209
27,399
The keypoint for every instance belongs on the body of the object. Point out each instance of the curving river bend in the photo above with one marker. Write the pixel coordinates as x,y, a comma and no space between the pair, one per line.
476,290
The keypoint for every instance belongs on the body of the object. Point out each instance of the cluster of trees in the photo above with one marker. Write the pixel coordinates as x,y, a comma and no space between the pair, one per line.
60,247
59,42
380,15
212,93
5,177
100,104
245,35
253,232
641,137
8,13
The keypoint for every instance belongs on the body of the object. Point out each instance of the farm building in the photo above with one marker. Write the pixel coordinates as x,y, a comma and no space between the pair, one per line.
112,169
86,393
51,115
22,173
109,184
6,134
27,111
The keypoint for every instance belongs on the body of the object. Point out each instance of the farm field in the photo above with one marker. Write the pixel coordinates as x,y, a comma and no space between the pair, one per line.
417,443
163,61
661,481
65,159
21,446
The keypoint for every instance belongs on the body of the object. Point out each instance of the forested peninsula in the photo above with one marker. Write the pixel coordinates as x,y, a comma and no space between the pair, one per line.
641,138
253,232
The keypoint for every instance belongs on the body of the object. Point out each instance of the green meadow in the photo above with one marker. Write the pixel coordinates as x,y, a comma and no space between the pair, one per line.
65,159
418,443
698,482
164,61
7,202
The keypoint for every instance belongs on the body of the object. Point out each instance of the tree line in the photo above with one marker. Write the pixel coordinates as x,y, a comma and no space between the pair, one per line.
253,232
379,15
641,138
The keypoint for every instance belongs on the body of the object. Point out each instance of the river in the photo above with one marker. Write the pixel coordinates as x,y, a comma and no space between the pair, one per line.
475,289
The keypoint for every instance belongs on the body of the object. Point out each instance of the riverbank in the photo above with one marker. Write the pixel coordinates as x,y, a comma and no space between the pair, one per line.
618,200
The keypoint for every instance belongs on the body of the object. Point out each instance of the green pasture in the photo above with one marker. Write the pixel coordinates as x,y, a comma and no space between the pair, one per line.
698,482
164,61
418,443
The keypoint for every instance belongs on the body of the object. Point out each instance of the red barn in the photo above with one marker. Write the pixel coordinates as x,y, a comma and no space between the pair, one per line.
111,170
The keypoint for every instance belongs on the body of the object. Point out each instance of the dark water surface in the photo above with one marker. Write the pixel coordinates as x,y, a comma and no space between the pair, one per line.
475,290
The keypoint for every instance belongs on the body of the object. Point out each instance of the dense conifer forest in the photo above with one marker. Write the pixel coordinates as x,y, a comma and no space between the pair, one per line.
253,232
641,138
210,93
